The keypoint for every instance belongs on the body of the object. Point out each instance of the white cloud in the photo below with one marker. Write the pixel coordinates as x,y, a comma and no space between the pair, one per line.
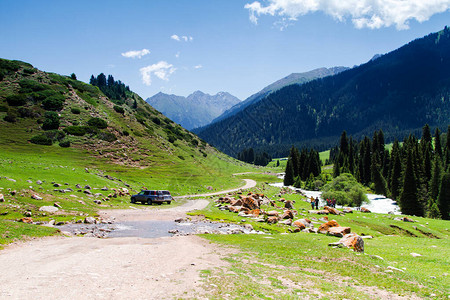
177,55
198,67
182,38
162,70
372,14
175,37
136,53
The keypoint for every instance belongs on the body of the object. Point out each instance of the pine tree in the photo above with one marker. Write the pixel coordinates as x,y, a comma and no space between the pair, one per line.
447,150
396,171
426,134
443,201
437,143
435,181
377,178
409,203
289,173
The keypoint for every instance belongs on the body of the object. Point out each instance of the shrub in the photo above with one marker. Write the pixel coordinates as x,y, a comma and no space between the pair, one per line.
25,112
75,110
51,121
107,136
64,144
119,109
171,138
346,190
3,108
41,140
125,133
16,100
11,118
54,103
97,123
28,71
75,130
55,135
33,85
156,120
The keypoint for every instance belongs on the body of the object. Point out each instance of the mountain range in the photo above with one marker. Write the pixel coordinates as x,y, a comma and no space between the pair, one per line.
196,110
397,92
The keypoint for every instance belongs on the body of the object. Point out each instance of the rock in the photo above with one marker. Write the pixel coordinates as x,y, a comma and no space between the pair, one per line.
395,269
60,223
2,198
250,203
347,210
89,220
237,202
234,209
10,179
318,212
272,213
365,210
88,192
78,186
57,185
39,182
179,220
97,202
98,195
309,230
104,188
36,197
248,227
51,222
339,231
255,212
27,214
173,231
324,219
325,226
288,214
415,254
352,241
49,209
332,210
406,219
286,222
87,187
305,222
81,202
272,220
26,220
29,181
56,204
299,225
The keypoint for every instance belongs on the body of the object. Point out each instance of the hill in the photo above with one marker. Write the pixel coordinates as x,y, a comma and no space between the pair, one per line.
294,78
195,110
397,92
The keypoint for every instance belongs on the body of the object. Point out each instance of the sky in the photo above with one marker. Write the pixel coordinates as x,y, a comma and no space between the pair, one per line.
235,46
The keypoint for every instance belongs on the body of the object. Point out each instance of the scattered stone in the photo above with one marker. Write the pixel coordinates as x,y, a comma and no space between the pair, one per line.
288,204
209,188
78,186
272,220
286,222
324,227
288,214
406,219
272,213
56,204
339,231
248,227
179,220
98,195
89,220
87,187
318,212
298,224
49,209
2,198
27,214
57,185
173,231
10,179
81,202
13,193
365,210
51,222
332,210
39,182
351,240
415,254
29,181
27,220
104,188
36,197
347,210
88,192
97,202
324,219
395,269
60,223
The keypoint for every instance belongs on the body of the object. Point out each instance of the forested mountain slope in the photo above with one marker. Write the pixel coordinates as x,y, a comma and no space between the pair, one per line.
398,92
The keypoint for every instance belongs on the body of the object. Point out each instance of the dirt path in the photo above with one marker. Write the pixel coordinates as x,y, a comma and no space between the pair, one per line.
117,268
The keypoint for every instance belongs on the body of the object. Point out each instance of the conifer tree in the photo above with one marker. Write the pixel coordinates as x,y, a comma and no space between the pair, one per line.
443,201
437,143
396,171
409,202
289,173
447,150
435,181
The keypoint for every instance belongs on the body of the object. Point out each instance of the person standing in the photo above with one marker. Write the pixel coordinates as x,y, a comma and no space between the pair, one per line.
316,202
312,202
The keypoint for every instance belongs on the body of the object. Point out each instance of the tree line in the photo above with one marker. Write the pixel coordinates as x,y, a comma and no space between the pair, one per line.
415,172
302,165
249,155
114,90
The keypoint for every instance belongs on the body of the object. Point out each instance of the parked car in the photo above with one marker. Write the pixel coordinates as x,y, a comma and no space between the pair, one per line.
152,196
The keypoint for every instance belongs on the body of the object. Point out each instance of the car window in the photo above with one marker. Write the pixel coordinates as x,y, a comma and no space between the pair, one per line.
141,193
147,193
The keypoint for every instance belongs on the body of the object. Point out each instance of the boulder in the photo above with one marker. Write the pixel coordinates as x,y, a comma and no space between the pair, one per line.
56,204
104,188
325,226
347,210
272,213
87,187
27,214
304,222
250,203
352,241
97,202
286,222
365,210
234,209
237,202
339,231
406,219
49,209
36,197
2,198
288,214
288,204
26,220
298,224
272,220
324,219
13,193
78,186
87,192
89,220
318,212
39,182
255,212
332,210
57,185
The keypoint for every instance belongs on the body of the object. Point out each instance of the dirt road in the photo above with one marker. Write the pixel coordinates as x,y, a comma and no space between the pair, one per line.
116,268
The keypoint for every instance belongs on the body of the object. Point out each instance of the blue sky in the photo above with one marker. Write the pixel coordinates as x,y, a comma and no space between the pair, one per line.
181,46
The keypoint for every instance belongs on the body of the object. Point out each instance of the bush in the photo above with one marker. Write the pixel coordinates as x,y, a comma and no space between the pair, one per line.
156,120
75,110
25,112
125,133
51,121
346,190
107,136
75,130
11,118
33,85
41,140
97,123
54,103
55,135
119,109
16,100
64,144
3,108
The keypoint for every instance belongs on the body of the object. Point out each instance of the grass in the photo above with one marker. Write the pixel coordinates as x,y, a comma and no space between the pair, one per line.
302,265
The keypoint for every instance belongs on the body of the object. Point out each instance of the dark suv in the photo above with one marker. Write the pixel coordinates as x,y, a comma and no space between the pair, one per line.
152,196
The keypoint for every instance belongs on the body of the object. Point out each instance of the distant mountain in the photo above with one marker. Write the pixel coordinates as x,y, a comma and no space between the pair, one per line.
195,110
294,78
397,92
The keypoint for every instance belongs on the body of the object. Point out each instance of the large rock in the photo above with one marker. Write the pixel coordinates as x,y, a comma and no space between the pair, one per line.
237,202
288,214
325,226
347,210
36,197
318,212
2,198
365,210
234,209
298,224
255,212
49,209
339,231
288,204
26,220
272,213
89,220
304,222
250,203
352,241
272,220
332,210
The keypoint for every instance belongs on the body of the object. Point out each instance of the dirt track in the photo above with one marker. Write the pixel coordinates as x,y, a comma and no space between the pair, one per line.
117,268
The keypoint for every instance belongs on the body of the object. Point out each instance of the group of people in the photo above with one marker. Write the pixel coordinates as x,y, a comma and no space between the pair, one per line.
315,202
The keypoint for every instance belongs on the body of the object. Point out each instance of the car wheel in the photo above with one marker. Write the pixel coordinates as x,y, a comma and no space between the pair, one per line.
168,202
149,202
133,200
